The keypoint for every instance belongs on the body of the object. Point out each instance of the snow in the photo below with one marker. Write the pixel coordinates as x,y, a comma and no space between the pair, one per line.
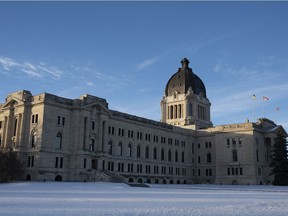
83,199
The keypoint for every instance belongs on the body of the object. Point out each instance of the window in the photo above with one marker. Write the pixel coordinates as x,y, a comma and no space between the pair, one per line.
234,155
34,118
176,142
33,140
59,140
209,160
162,154
155,153
129,150
176,156
169,155
155,138
241,171
234,142
190,110
84,164
111,130
93,125
0,124
31,161
120,148
130,134
61,120
156,169
110,147
257,155
198,145
240,142
139,168
58,162
138,151
147,137
199,160
147,152
183,143
15,127
139,135
228,143
183,157
120,132
192,148
92,145
228,171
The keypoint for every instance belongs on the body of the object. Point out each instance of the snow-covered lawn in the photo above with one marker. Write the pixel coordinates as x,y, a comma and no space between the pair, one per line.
82,199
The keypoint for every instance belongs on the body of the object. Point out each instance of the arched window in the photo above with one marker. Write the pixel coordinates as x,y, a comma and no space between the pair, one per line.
162,154
110,144
130,150
120,148
209,160
183,157
147,152
176,156
169,155
138,151
58,141
155,153
234,155
33,140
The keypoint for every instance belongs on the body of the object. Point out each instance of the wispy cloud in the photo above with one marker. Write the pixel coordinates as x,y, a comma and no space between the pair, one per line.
146,63
39,70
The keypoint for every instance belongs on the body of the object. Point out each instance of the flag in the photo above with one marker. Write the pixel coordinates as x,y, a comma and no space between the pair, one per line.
277,108
254,97
265,98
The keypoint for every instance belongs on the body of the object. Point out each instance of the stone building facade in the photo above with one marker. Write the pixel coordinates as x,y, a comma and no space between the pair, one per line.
61,139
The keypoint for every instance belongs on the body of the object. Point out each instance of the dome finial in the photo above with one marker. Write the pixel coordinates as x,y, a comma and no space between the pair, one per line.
185,63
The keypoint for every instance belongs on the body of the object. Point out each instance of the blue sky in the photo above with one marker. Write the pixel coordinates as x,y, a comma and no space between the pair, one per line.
125,52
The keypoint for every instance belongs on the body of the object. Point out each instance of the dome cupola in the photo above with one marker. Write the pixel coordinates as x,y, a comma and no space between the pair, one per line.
184,79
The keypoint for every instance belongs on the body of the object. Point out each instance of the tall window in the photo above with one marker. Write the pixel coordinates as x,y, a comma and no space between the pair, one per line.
155,153
92,145
183,157
169,155
33,140
138,151
58,142
15,127
129,150
234,155
110,147
147,152
120,148
162,154
176,156
209,160
190,110
93,125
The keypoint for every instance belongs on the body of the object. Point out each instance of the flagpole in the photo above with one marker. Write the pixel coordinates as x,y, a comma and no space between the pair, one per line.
264,99
254,98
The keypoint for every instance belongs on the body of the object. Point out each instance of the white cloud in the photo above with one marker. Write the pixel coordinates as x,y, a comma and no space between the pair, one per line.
32,70
8,63
146,63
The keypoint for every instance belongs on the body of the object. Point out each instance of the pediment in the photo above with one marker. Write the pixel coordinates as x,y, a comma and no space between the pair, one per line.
97,106
12,102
